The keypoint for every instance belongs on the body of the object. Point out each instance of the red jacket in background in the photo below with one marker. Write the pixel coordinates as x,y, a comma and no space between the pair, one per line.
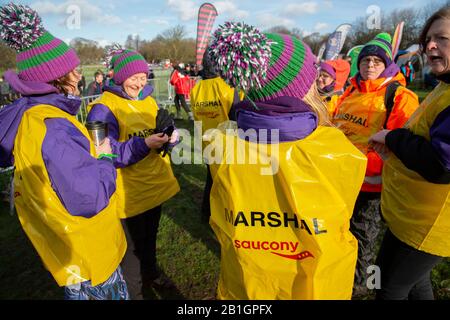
180,82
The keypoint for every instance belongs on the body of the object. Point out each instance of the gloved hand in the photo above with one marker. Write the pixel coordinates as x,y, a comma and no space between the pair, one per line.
164,124
163,120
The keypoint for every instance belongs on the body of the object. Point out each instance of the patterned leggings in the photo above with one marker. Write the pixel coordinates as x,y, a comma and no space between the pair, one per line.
115,288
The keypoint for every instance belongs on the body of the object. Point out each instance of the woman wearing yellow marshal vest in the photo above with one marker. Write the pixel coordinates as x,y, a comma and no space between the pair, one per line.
284,233
144,178
416,180
64,195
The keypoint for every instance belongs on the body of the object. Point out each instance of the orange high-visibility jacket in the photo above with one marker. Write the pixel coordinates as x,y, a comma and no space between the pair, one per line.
361,113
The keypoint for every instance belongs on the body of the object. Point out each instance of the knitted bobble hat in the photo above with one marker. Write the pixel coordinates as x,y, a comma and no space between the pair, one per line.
267,66
40,56
127,64
379,46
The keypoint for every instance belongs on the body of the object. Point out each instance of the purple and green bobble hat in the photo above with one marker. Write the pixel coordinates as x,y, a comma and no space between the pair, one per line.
40,56
266,66
379,46
127,64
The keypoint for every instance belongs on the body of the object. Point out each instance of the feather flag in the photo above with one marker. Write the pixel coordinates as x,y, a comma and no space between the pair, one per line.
321,51
397,38
206,16
336,41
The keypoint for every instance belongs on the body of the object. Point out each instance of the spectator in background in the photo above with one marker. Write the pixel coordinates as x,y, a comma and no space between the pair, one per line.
82,83
332,78
151,74
194,71
212,102
182,88
96,87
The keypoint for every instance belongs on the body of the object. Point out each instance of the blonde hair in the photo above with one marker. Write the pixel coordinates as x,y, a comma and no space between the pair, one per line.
315,101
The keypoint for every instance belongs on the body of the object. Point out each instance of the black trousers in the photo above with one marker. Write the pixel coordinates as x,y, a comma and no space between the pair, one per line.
180,98
206,206
139,263
365,226
405,271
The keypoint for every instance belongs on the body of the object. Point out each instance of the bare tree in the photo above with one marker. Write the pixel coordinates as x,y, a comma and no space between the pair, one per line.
8,57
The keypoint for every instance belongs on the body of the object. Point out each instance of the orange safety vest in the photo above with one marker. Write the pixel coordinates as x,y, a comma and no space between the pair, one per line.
361,112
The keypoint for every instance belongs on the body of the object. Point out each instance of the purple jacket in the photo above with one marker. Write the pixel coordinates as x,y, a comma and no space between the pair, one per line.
291,116
82,183
132,150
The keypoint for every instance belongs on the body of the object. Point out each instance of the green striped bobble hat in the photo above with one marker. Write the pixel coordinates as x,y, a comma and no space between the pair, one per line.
265,65
40,56
380,46
126,64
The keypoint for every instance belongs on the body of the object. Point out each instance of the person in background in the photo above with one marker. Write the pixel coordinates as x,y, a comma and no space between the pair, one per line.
65,187
212,102
144,179
416,181
333,75
82,83
96,87
180,81
376,99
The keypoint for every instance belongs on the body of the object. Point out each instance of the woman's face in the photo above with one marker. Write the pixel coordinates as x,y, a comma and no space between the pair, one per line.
73,77
324,79
371,67
134,84
437,46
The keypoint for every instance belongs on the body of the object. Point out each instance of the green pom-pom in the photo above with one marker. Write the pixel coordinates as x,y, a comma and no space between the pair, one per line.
385,36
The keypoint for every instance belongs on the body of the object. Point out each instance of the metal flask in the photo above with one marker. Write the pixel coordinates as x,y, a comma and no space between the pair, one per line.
98,131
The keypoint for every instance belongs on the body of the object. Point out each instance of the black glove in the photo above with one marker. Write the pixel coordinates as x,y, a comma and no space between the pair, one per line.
164,124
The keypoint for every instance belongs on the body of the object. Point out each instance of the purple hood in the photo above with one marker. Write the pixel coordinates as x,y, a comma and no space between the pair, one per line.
11,115
291,116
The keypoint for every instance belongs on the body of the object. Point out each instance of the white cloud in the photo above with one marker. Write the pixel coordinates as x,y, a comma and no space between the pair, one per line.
153,21
88,12
328,4
267,20
320,26
297,9
186,9
228,7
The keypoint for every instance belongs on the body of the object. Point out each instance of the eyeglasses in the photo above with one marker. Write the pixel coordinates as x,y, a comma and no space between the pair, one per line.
376,61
